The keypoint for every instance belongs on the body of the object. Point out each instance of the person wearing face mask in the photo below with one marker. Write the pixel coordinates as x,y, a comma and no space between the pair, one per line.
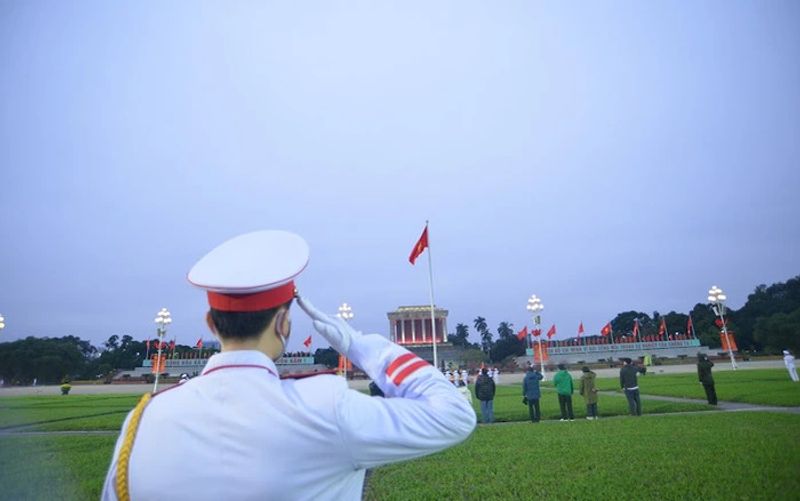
238,431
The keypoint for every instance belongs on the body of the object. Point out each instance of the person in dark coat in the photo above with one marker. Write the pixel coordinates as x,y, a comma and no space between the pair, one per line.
531,393
704,366
484,390
588,390
628,381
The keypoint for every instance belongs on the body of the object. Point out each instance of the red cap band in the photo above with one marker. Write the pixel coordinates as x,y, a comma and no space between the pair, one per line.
256,301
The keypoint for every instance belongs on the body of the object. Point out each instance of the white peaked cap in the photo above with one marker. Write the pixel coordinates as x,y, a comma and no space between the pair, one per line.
252,272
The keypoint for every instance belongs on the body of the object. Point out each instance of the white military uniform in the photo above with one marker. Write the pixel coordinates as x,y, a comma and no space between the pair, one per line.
465,376
239,432
788,361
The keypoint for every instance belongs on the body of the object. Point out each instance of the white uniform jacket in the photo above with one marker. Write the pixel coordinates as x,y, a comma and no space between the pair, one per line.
239,432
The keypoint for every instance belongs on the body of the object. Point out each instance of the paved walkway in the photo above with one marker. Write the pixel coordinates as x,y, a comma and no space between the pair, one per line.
721,406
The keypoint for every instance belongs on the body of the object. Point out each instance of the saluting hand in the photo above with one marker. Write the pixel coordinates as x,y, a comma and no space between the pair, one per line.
334,329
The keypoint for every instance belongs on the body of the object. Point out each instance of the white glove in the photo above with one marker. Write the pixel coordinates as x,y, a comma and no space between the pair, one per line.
334,329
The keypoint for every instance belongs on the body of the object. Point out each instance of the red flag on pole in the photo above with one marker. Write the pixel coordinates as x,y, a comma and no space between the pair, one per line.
536,332
307,342
199,343
172,345
635,327
606,330
689,327
551,332
580,329
521,335
421,245
662,328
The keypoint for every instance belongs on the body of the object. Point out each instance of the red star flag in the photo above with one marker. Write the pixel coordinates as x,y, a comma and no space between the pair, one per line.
421,245
580,329
199,343
662,328
551,332
606,330
307,342
521,335
635,327
689,327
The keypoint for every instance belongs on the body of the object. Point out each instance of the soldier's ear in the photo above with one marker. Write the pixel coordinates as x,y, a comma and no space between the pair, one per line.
210,323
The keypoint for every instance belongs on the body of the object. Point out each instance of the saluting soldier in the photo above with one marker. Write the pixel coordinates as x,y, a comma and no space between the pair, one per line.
239,432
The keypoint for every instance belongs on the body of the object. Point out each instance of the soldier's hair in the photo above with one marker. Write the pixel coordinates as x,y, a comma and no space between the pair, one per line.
242,325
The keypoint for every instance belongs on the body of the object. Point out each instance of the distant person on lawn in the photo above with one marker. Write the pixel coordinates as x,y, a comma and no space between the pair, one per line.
588,390
531,393
484,390
704,366
628,380
788,360
564,388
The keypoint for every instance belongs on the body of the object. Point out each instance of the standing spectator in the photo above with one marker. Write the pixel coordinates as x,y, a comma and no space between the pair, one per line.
788,360
531,393
704,366
564,388
628,380
484,390
465,380
464,390
589,392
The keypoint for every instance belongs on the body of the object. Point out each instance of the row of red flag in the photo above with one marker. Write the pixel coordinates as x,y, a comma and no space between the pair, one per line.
607,330
162,345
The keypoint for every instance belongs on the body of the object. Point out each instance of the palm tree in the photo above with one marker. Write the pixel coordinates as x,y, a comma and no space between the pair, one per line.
486,336
504,330
460,338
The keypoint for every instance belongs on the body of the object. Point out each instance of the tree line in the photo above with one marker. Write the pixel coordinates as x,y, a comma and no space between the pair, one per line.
52,360
767,323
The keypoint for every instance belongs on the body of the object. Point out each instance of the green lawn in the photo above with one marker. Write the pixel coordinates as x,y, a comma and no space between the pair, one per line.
758,386
55,467
508,405
666,457
705,456
71,412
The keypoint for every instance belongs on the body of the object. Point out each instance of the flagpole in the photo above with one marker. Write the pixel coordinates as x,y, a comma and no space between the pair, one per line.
433,317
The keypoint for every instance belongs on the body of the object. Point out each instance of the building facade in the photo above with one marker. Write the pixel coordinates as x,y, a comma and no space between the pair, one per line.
411,325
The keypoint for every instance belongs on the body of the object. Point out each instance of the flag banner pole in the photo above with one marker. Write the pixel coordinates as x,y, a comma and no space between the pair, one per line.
433,316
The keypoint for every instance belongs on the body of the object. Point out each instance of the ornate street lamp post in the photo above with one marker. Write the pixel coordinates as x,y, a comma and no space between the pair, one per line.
717,298
535,306
163,319
346,314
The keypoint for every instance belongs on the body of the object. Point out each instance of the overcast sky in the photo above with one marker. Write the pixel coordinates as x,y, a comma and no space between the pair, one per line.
605,156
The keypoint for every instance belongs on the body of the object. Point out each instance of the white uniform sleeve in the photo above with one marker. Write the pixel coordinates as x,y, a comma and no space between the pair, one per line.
421,413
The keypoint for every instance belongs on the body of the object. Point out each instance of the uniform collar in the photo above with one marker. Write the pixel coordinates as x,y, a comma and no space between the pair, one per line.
240,358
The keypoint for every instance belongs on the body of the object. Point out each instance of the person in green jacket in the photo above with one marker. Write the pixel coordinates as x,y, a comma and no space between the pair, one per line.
588,390
704,366
564,388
